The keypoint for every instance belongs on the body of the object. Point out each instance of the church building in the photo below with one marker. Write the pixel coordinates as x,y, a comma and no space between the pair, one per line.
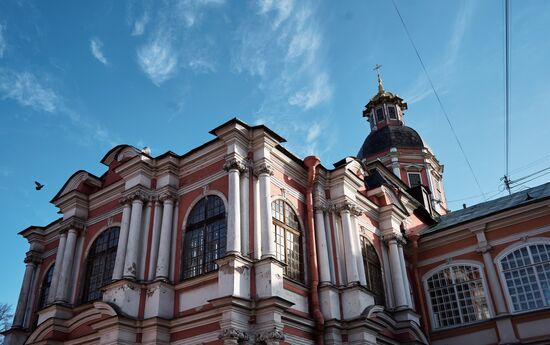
239,241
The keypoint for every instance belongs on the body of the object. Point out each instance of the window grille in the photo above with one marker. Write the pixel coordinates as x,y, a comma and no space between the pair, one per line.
100,264
205,237
457,296
373,271
45,290
288,247
527,274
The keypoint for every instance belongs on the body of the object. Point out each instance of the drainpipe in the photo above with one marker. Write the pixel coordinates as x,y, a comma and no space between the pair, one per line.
420,294
311,163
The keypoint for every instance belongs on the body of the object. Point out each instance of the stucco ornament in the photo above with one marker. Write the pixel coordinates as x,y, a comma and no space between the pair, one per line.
271,336
233,333
234,163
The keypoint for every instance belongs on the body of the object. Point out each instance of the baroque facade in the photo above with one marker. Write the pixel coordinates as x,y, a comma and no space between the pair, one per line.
239,241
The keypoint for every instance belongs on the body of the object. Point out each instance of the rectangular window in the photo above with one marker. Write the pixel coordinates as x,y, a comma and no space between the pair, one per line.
379,115
414,179
391,112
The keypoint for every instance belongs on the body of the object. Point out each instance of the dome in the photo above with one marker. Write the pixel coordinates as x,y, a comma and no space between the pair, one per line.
388,137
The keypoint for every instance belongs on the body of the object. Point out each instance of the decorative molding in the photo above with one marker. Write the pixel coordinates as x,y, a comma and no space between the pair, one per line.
399,238
167,195
133,195
273,335
353,208
485,248
233,333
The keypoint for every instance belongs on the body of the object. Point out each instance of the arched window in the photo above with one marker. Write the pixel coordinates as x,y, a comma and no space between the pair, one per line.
45,289
526,271
100,264
205,237
373,271
288,247
457,296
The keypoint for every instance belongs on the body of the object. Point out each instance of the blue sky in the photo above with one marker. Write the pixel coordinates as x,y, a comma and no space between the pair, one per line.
79,78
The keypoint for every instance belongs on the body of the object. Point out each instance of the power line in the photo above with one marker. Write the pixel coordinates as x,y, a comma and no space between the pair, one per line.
532,174
507,95
439,100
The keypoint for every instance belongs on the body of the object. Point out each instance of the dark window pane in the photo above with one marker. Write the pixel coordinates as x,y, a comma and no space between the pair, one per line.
287,239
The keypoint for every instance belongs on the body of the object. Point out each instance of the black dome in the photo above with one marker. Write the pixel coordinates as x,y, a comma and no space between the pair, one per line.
388,137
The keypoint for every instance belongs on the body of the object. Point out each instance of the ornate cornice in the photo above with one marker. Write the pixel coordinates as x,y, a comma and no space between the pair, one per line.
233,333
273,335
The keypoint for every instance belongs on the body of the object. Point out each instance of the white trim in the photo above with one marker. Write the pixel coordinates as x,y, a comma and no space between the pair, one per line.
480,266
409,173
505,252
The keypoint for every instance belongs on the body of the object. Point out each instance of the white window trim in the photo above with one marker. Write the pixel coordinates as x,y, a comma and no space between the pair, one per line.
488,297
513,247
416,173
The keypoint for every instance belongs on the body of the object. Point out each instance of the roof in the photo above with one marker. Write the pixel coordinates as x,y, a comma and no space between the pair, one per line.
388,137
525,197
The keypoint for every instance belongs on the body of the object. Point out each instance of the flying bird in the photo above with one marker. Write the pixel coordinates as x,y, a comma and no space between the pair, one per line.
39,185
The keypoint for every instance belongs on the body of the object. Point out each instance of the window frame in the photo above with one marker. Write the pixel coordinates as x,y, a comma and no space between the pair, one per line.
299,232
488,297
382,296
86,268
203,224
395,117
43,300
377,120
409,173
498,263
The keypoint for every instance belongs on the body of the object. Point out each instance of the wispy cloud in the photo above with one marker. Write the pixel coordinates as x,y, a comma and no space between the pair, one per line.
139,25
282,45
27,90
96,47
158,60
31,91
443,69
170,45
2,40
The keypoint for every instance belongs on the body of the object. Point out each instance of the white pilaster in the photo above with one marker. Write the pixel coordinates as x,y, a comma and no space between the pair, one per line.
268,237
406,285
131,259
330,245
396,274
122,242
22,303
174,241
165,245
322,249
66,267
234,167
257,220
245,192
349,247
359,256
155,239
57,267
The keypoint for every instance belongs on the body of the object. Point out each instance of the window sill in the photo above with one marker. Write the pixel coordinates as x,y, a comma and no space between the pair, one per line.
193,281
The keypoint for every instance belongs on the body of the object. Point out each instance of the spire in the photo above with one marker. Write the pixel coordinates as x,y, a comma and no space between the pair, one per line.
377,69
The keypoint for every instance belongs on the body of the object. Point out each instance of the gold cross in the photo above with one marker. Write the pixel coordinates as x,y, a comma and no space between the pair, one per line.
377,69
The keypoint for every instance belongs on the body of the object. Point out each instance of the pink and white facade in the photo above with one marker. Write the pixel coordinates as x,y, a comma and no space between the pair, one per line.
239,241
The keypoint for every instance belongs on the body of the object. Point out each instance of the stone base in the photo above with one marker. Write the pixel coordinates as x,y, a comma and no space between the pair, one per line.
269,277
159,300
506,331
355,299
15,336
58,311
406,314
125,294
234,276
329,302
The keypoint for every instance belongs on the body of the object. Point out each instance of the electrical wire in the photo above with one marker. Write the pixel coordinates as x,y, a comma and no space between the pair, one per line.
532,174
507,94
439,100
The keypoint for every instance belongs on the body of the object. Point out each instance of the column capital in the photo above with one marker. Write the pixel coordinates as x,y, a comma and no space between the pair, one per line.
233,333
263,168
398,238
484,248
33,257
72,224
135,195
269,336
167,195
350,207
235,163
